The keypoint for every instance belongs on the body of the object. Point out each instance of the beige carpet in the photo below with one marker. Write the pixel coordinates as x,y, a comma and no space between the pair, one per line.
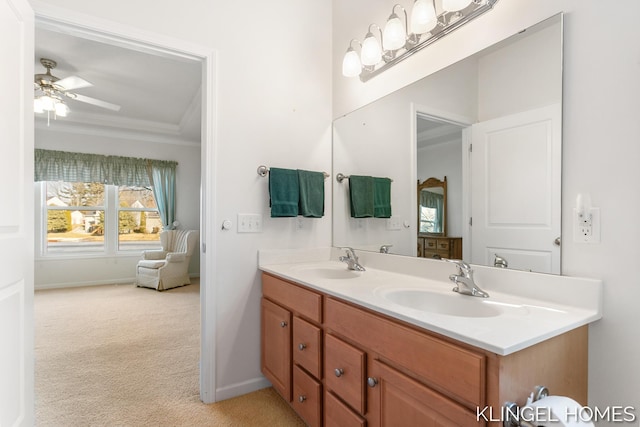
117,355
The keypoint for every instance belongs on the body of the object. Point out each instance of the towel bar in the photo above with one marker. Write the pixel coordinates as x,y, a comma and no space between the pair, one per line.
341,177
264,171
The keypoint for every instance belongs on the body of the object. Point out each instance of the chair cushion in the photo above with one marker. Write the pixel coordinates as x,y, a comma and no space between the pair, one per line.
151,263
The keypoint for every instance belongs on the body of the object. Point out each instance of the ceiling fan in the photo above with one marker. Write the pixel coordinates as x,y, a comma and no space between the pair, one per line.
50,92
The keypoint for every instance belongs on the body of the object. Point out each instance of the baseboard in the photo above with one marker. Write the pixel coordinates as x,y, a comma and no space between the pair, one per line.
238,389
127,281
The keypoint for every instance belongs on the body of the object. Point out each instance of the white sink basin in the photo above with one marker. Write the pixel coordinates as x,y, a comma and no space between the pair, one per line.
338,272
452,304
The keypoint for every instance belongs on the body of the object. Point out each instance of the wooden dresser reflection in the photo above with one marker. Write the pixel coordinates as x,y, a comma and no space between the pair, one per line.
439,247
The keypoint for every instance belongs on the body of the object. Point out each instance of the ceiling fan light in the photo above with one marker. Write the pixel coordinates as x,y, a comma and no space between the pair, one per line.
371,50
37,106
394,35
48,103
61,109
423,17
455,5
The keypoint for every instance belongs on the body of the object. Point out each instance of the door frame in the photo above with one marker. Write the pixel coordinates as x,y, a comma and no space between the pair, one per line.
465,123
90,27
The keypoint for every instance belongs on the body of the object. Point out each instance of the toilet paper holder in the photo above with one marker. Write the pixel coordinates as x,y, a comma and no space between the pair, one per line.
512,410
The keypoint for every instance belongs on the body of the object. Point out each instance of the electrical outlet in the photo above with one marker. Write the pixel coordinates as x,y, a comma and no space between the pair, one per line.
586,228
249,223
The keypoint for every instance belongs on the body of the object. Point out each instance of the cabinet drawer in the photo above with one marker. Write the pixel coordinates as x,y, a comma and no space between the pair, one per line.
452,370
430,244
344,371
303,301
443,244
307,397
307,345
337,414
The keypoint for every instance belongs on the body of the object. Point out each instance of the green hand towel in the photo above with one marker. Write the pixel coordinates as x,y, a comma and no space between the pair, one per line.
361,196
284,192
311,194
382,197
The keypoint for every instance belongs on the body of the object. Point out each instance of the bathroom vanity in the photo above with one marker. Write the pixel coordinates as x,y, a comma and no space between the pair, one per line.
345,349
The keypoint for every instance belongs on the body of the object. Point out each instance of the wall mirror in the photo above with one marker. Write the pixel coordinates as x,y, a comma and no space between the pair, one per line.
491,124
432,207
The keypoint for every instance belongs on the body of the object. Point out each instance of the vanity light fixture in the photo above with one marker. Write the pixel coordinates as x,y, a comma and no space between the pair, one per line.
399,40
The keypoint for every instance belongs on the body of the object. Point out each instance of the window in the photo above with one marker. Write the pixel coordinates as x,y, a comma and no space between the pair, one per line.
428,219
139,223
94,218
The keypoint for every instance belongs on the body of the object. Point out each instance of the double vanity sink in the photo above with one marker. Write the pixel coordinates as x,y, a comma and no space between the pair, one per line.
523,308
395,345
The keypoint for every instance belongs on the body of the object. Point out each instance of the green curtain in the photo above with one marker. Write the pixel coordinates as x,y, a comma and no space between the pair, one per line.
163,176
51,165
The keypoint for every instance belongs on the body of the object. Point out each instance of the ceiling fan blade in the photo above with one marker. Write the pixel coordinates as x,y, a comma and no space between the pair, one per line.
93,101
72,82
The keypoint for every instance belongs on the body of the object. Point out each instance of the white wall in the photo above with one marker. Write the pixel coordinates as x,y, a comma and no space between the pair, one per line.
273,108
442,160
600,147
65,271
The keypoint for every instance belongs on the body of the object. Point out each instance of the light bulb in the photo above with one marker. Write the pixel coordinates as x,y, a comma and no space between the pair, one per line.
394,35
61,109
47,103
455,5
371,50
37,106
351,65
423,17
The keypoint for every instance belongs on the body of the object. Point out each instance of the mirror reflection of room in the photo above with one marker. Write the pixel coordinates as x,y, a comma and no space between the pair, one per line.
510,95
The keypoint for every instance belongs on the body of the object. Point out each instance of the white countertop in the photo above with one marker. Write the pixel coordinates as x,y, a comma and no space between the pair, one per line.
523,308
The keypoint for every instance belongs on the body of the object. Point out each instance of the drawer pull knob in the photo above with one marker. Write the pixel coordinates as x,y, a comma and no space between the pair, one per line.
339,372
302,398
302,346
372,382
283,324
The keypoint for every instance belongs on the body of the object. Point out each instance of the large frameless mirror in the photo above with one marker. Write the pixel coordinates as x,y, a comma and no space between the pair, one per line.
490,124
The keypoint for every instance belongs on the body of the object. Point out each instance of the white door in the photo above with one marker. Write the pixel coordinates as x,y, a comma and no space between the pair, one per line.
515,190
16,214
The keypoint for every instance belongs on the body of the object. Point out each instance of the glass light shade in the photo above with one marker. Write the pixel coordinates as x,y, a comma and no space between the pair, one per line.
371,51
47,103
351,65
37,106
423,17
455,5
61,109
394,36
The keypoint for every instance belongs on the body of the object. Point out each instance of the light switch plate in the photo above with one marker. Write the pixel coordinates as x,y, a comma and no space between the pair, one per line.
249,223
394,223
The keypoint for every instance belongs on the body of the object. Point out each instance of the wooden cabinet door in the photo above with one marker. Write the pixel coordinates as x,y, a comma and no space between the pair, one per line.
395,399
276,347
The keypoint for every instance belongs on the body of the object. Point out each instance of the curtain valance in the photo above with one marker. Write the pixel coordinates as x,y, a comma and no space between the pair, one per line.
51,165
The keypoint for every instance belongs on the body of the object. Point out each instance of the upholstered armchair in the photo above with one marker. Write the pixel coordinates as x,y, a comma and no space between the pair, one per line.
169,267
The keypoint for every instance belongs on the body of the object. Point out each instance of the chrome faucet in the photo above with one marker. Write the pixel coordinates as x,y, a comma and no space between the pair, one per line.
351,259
384,249
498,261
464,280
